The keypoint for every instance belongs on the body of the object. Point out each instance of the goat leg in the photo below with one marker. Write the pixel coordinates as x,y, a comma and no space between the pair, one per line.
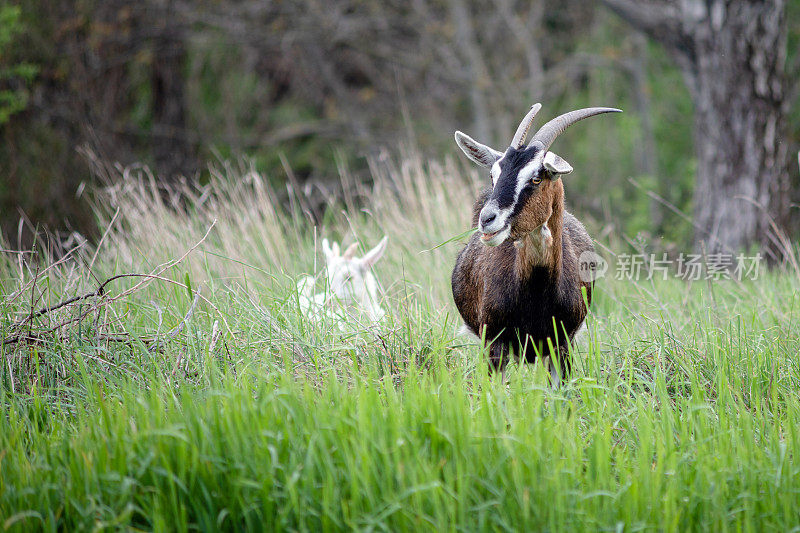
498,358
558,371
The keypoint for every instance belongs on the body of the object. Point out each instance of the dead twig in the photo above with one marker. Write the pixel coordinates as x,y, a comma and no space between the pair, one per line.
37,336
103,238
3,250
43,272
100,291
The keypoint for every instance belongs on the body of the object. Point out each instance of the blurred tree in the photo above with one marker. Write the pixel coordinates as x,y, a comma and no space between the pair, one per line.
15,76
314,87
732,54
110,81
172,149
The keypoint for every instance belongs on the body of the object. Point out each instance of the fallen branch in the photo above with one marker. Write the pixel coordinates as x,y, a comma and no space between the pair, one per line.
99,292
38,336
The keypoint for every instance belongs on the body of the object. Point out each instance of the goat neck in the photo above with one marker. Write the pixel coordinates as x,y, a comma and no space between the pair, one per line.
543,246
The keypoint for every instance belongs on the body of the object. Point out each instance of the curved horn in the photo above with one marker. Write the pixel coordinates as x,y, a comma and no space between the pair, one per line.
552,129
524,126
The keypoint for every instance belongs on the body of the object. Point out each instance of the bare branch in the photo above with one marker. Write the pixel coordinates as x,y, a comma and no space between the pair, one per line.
466,41
652,17
661,20
527,35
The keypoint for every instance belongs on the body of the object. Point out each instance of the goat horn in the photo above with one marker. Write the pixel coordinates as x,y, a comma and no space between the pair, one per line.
524,126
555,127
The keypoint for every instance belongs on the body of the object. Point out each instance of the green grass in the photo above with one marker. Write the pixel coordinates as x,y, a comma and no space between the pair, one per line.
681,413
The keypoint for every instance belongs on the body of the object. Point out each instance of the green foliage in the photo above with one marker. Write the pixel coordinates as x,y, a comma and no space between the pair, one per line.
15,76
236,113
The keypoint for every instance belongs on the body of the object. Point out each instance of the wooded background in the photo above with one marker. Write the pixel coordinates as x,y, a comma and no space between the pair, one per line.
705,152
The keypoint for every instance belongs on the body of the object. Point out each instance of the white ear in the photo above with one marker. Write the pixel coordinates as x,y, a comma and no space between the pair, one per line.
326,248
350,252
331,251
371,257
479,153
555,164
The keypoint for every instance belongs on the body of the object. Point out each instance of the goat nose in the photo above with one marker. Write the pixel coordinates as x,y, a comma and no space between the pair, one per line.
487,218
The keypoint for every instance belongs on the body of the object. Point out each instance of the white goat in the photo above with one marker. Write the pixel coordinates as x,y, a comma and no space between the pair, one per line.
350,287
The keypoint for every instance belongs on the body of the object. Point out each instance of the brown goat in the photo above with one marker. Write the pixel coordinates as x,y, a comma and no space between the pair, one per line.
520,281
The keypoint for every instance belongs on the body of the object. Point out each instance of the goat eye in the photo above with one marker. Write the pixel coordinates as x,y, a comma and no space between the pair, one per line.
536,180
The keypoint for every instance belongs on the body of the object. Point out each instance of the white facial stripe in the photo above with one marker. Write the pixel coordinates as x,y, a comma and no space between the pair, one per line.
523,177
496,171
526,174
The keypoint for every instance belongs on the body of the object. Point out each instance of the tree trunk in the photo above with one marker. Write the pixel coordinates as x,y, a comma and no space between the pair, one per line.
739,110
732,55
475,67
172,151
646,156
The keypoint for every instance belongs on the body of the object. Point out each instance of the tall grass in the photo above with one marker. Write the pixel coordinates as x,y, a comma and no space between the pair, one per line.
131,412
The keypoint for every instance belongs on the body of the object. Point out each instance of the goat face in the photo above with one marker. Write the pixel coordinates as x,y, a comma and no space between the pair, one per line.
524,178
350,281
522,197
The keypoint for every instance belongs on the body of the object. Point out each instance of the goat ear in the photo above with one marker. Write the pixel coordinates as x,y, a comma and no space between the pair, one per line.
330,250
371,257
556,165
350,252
479,153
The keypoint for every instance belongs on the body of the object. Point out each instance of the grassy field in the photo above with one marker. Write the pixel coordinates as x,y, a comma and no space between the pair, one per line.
199,397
